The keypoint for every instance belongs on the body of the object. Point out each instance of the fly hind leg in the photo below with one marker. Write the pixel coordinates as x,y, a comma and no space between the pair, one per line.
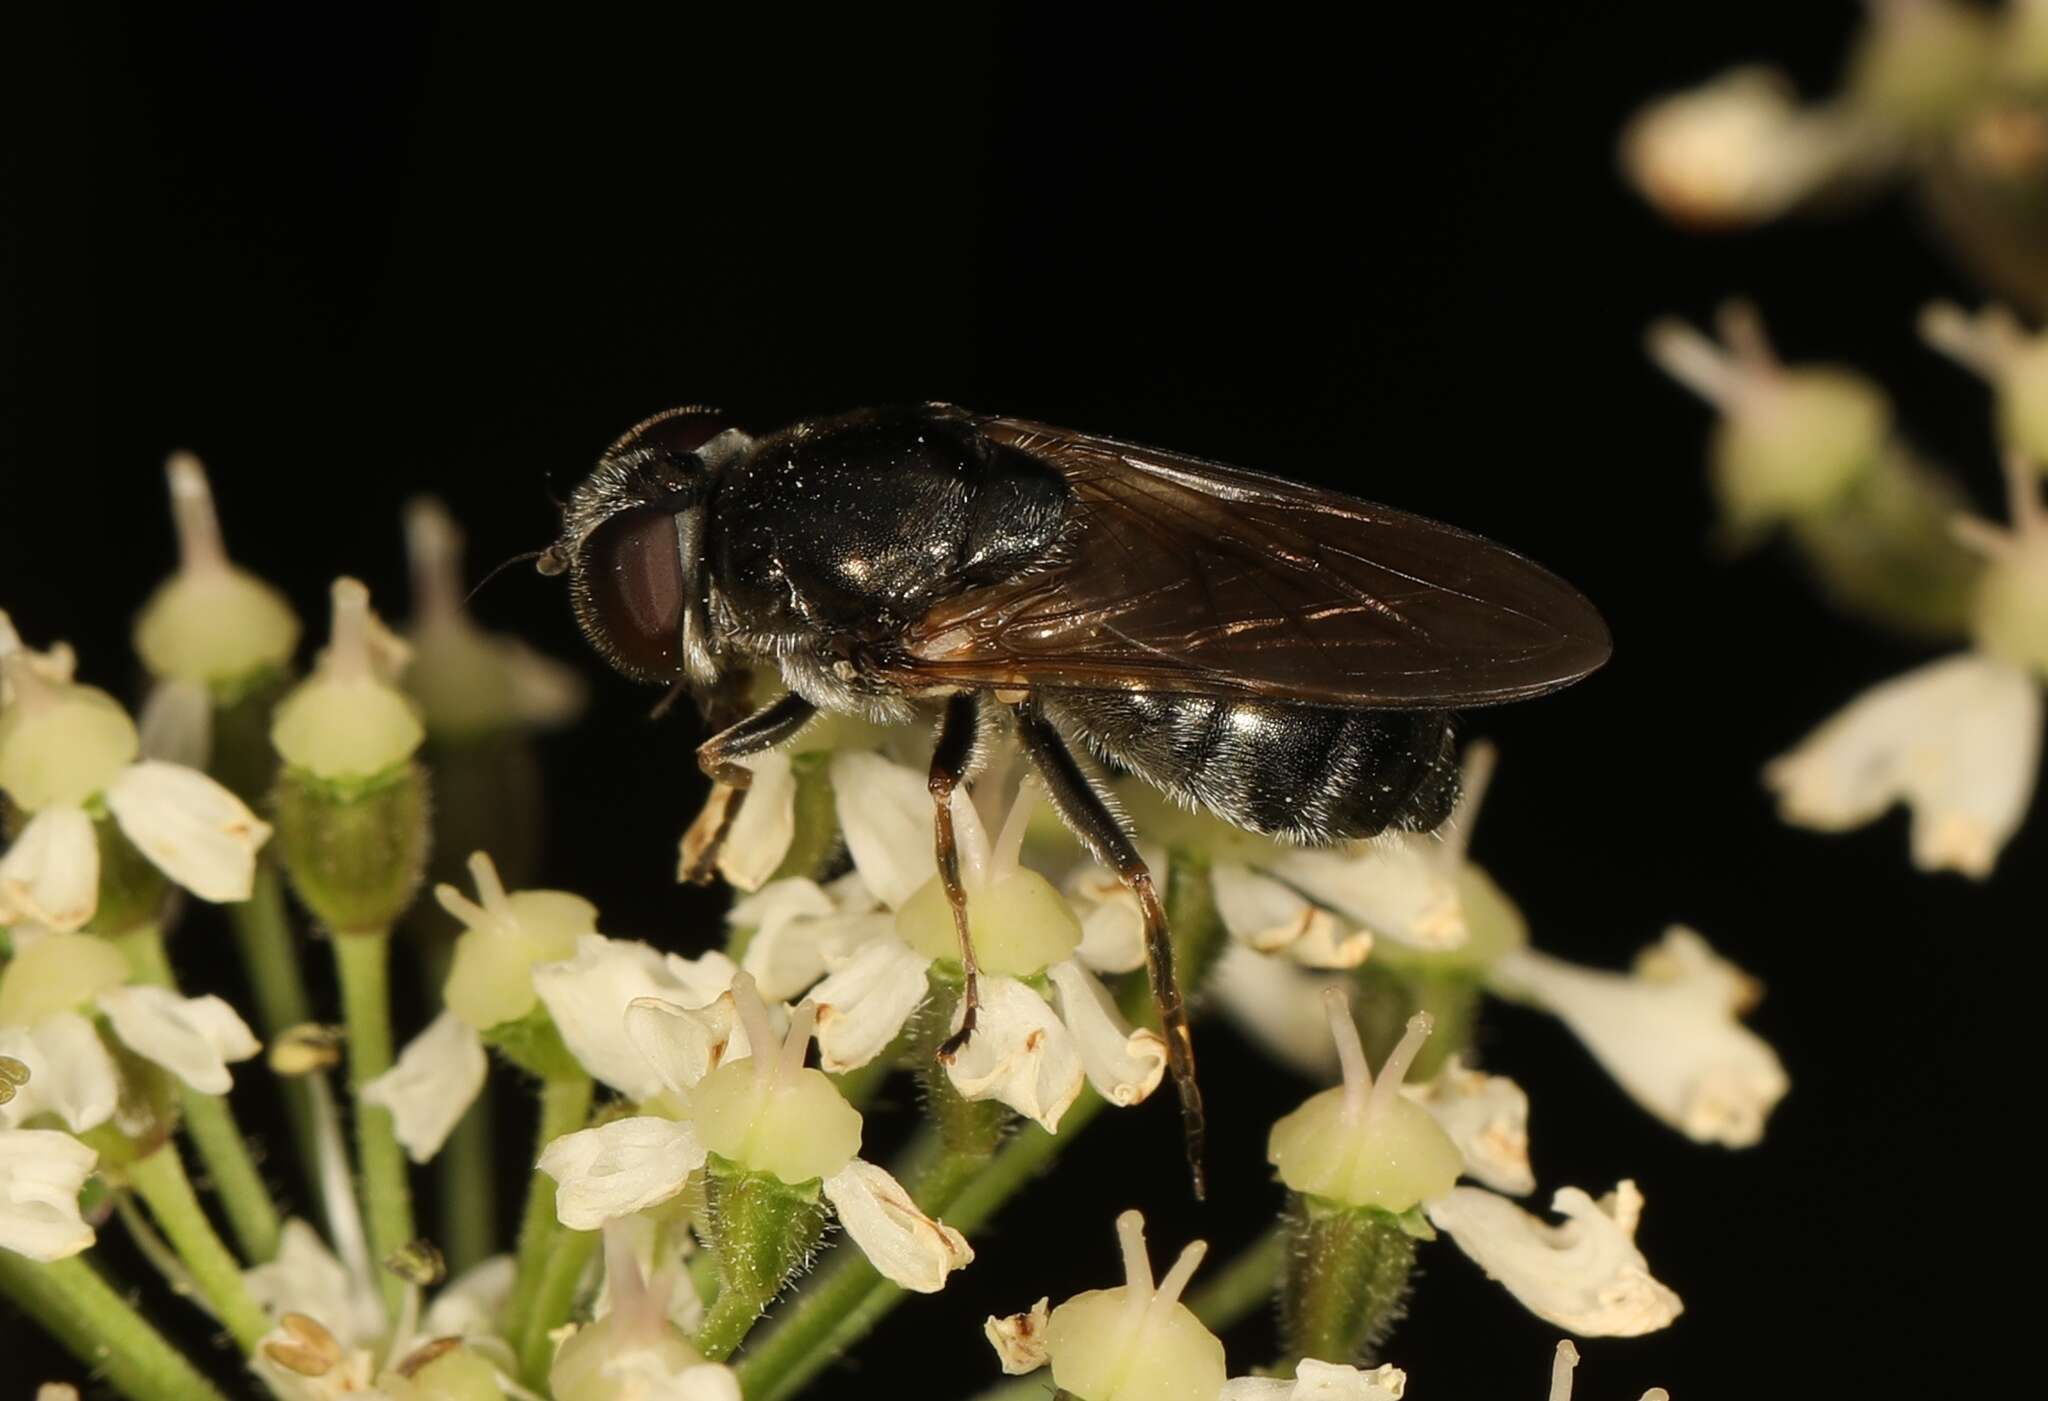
1084,810
952,756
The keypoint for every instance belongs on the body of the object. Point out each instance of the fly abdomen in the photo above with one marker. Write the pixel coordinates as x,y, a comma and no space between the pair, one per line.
1306,773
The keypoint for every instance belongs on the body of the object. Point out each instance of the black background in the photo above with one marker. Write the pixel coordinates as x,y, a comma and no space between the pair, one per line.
355,254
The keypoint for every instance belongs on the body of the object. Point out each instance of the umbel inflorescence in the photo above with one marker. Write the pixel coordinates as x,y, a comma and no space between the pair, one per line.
703,1219
708,1215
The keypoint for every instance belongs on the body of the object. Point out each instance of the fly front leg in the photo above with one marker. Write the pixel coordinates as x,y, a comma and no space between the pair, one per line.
1083,809
959,730
718,757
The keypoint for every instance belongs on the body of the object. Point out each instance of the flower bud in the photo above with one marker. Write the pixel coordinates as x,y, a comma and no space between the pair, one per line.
490,981
60,744
351,804
1137,1342
469,683
1021,924
348,724
1361,1144
57,973
211,622
1791,441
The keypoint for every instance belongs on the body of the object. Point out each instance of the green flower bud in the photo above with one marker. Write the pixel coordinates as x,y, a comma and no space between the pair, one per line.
1361,1144
351,804
1137,1342
1791,441
490,980
1020,922
60,743
469,683
211,622
348,724
58,973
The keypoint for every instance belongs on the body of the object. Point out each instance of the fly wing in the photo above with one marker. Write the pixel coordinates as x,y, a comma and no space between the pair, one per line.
1186,575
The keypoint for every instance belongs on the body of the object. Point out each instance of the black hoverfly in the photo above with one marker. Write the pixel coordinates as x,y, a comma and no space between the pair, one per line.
1283,656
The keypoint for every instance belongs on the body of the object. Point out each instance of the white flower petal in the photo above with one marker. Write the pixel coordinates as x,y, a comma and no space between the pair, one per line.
863,1005
1279,1005
1019,1054
1273,918
1402,887
438,1076
1668,1033
803,930
42,1172
176,723
619,1168
684,1044
194,830
1019,1339
1586,1275
905,1246
1957,741
192,1037
885,812
588,995
70,1073
51,875
760,836
1125,1066
1112,924
1487,1116
1320,1381
305,1277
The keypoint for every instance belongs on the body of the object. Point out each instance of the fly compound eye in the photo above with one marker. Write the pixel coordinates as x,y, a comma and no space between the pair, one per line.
631,594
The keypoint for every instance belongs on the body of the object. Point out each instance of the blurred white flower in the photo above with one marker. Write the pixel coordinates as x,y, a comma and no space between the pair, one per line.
1737,151
1585,1275
1668,1032
42,1171
192,1037
1958,741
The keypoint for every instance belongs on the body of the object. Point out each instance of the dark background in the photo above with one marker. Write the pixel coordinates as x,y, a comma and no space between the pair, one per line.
355,254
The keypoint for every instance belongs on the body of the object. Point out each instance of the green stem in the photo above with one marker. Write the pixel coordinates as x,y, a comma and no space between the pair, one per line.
102,1329
467,1173
362,962
726,1324
160,1180
552,1299
269,948
210,1122
564,1106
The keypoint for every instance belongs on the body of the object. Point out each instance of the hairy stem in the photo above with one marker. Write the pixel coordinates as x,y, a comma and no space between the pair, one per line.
270,955
102,1329
159,1179
363,963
